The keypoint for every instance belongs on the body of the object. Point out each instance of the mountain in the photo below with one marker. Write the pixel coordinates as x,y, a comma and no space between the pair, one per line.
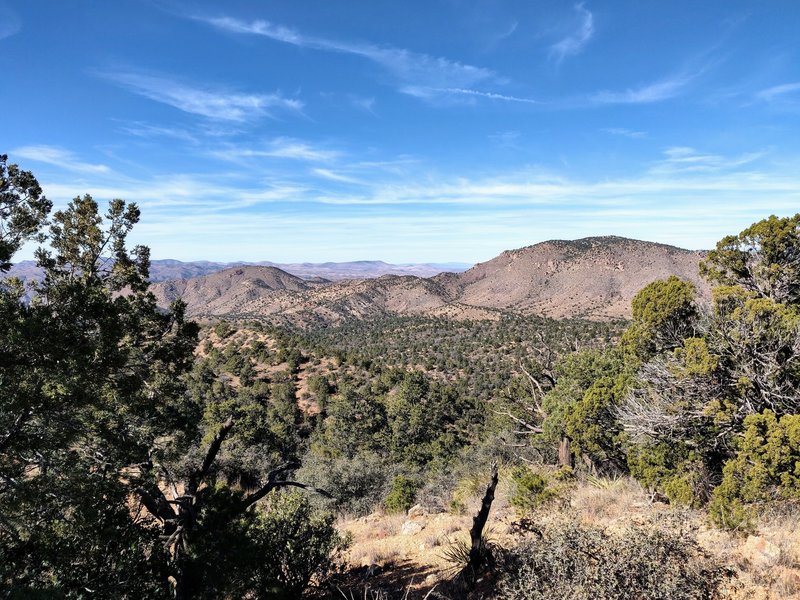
227,291
593,278
167,269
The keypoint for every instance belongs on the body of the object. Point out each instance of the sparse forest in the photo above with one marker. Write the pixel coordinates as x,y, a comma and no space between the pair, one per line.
143,455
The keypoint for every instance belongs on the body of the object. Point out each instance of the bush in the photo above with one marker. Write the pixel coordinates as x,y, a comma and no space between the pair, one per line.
224,329
530,490
764,470
297,542
673,470
584,563
358,484
402,495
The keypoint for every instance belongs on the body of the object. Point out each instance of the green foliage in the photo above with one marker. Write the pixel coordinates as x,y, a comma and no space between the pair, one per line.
582,563
575,374
104,416
592,424
427,420
83,539
479,357
711,412
672,469
90,379
402,495
762,259
23,210
296,543
321,389
224,329
756,340
696,357
664,313
590,384
271,552
765,469
530,490
355,423
358,484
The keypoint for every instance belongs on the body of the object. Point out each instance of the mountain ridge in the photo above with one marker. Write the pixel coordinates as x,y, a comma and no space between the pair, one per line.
594,278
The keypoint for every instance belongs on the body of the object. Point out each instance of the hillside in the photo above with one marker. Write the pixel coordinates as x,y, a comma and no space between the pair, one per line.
593,278
230,290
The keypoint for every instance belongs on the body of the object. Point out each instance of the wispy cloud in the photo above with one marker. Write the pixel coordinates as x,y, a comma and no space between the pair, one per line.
629,133
146,130
408,68
653,92
362,102
59,157
278,148
575,42
778,92
213,104
425,215
684,159
335,176
438,92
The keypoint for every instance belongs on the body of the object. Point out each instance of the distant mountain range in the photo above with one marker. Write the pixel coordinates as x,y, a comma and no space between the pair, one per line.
594,278
163,270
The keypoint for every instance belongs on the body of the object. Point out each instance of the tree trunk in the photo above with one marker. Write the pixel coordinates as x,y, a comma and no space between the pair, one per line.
478,553
564,453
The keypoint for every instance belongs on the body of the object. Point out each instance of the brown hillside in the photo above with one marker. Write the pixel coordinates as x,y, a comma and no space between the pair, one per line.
227,291
595,278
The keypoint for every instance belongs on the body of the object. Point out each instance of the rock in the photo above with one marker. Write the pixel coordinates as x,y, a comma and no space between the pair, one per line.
760,552
416,511
410,528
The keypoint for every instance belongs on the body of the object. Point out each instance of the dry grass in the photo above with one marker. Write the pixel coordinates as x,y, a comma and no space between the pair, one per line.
603,501
606,503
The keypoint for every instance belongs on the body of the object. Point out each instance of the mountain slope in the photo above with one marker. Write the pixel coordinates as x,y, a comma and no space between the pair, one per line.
593,278
227,291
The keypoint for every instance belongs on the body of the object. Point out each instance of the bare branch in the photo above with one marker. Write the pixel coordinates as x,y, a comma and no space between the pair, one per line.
157,506
196,478
518,421
273,482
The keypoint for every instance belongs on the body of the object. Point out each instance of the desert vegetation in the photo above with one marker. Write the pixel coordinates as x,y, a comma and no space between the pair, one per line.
143,455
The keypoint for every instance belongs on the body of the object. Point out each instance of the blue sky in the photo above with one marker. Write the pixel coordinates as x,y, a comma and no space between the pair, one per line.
436,130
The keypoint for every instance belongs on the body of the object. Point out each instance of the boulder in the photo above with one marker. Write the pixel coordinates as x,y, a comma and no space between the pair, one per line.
411,527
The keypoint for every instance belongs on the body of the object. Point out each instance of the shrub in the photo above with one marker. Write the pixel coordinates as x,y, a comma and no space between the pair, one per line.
671,469
224,329
297,544
582,563
358,484
530,490
402,495
765,469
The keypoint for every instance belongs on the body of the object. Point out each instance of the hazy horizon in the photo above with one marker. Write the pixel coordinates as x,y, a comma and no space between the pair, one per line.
414,133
